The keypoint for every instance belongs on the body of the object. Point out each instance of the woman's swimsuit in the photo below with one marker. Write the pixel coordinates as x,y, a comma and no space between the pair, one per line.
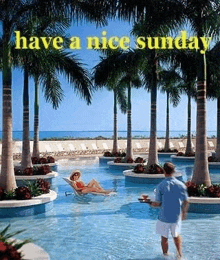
79,185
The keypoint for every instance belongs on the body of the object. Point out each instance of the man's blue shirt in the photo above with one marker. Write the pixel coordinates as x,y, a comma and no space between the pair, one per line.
171,193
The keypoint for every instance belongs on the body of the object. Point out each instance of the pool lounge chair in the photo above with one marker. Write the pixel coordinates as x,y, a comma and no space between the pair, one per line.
80,194
181,145
211,145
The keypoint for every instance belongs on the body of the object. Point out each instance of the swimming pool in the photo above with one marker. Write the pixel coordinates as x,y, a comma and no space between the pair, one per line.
118,228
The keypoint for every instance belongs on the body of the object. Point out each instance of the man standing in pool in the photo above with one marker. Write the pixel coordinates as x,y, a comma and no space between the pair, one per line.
172,198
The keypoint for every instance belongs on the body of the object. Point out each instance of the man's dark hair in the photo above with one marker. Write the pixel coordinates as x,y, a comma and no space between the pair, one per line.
169,168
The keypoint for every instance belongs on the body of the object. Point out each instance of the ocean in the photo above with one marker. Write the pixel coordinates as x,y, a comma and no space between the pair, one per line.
44,135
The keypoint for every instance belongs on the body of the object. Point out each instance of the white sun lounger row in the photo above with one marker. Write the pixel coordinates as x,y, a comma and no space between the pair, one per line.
100,146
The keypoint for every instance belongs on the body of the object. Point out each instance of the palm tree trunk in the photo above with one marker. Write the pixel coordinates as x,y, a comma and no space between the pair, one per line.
201,170
153,156
167,141
115,137
26,154
218,130
189,137
7,177
129,152
36,150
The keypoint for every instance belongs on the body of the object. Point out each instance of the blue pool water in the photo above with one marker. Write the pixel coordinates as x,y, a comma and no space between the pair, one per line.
118,228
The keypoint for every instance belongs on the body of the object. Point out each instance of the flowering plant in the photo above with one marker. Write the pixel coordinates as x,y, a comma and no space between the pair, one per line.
22,193
168,151
42,160
202,191
139,168
117,154
43,185
139,160
213,159
9,247
42,170
117,160
31,189
130,160
188,154
152,169
180,154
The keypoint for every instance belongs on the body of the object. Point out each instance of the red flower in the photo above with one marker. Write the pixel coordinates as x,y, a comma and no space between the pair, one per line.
50,159
28,171
3,247
23,193
107,154
34,160
42,160
139,168
117,160
130,160
139,160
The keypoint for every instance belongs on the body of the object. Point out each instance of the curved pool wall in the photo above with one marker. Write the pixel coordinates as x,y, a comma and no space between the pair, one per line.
146,178
24,208
165,155
22,180
25,211
103,160
123,227
204,205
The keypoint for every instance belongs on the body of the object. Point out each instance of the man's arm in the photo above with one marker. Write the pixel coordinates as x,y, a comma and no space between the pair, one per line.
185,207
155,204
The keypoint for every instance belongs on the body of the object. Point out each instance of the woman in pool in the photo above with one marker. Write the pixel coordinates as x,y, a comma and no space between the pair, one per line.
79,185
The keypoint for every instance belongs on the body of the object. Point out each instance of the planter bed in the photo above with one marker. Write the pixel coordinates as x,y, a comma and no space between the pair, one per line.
23,208
204,205
122,166
146,178
33,252
48,177
53,166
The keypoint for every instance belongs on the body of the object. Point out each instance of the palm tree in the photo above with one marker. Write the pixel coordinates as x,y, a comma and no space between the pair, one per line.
12,13
169,79
186,61
152,25
118,92
123,67
204,20
213,86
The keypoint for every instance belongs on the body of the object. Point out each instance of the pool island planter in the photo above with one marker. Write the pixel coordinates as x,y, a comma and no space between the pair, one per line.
53,166
122,166
189,159
20,179
24,208
214,165
33,252
204,205
146,178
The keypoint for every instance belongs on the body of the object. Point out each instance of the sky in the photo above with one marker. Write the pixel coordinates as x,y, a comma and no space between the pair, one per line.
74,114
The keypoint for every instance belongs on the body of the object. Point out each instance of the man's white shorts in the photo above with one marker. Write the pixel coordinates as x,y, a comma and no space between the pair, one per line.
162,228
